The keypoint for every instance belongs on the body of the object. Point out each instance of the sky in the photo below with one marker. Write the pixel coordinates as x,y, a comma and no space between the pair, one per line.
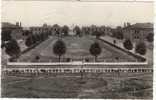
36,13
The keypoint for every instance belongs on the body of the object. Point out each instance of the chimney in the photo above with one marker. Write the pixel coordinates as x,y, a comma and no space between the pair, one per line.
124,24
20,24
128,24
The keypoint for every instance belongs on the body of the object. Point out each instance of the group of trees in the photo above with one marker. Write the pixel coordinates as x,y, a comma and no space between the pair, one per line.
61,31
139,48
12,49
94,30
59,49
150,37
35,38
6,34
79,31
11,46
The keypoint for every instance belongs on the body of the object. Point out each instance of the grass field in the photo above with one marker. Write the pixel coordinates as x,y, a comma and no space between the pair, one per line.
72,86
77,48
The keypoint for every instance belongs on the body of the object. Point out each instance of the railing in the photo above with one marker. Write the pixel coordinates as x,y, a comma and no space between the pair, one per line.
76,67
77,63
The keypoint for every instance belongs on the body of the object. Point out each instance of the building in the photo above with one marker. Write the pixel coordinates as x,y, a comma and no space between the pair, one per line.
14,31
40,29
138,31
93,29
53,30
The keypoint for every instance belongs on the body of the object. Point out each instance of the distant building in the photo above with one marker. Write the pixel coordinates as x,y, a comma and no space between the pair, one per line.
93,29
45,29
40,29
108,31
138,31
14,30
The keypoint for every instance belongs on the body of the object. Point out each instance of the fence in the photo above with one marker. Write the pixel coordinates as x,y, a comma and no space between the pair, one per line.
77,67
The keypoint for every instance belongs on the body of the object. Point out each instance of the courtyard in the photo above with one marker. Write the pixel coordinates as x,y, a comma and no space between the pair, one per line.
77,50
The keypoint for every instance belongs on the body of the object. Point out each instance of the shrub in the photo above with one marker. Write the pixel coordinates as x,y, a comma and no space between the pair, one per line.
150,37
12,48
141,48
128,44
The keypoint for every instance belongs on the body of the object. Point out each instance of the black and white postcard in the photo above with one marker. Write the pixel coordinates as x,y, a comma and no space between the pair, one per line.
77,49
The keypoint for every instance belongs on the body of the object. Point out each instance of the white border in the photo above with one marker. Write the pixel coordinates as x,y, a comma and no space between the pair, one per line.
154,81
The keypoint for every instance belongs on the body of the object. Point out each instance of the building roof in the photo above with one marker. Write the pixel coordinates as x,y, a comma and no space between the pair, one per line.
8,25
141,26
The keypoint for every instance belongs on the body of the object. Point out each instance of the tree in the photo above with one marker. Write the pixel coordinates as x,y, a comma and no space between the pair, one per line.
97,34
6,34
56,28
140,48
12,48
128,44
95,50
65,30
26,33
77,30
59,48
29,41
150,37
38,37
43,36
119,35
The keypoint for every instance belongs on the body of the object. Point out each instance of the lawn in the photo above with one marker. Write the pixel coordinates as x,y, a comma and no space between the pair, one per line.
77,48
102,85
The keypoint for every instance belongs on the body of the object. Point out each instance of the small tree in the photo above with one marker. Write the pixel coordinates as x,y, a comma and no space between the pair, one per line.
29,41
128,44
12,49
65,30
6,34
141,48
26,33
119,35
98,34
150,37
59,48
77,30
95,50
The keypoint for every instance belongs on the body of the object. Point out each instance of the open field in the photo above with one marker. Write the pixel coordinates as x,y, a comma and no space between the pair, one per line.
77,48
104,85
